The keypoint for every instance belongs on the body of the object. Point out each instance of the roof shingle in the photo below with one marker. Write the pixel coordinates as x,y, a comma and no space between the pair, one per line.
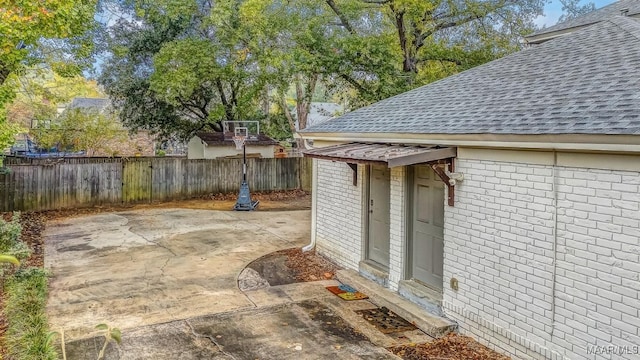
587,82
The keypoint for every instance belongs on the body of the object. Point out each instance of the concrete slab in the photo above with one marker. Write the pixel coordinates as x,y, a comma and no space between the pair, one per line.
300,292
174,340
302,330
153,266
435,326
168,278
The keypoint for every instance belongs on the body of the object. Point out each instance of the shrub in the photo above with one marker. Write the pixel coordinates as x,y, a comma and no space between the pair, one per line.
10,243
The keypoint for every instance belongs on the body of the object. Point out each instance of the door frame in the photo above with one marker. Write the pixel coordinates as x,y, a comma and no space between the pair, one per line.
409,208
410,193
366,196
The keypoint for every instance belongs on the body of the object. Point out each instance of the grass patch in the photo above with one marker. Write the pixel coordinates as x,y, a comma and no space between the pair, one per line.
28,336
26,331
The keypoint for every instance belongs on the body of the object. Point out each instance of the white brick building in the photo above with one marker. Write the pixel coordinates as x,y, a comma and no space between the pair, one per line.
535,251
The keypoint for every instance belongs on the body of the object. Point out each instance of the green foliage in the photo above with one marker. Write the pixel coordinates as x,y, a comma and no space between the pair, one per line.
82,130
36,32
8,131
111,334
27,335
49,31
39,91
9,259
181,66
276,126
10,244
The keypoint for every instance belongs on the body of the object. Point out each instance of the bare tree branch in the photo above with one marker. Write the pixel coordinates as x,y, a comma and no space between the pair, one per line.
354,83
341,16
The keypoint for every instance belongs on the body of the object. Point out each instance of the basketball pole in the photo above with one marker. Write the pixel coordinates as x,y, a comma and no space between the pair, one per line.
244,162
244,202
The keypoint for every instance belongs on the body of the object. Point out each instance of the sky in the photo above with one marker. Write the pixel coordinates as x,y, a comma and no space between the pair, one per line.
553,10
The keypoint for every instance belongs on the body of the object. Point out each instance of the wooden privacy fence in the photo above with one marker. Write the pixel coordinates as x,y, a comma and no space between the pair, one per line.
46,185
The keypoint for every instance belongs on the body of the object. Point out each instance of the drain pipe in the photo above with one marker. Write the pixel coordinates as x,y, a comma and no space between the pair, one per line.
555,243
314,206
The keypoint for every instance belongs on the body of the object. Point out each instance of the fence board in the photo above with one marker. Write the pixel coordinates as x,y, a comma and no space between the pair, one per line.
43,184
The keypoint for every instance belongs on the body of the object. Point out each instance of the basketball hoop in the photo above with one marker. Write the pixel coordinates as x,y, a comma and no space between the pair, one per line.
239,141
240,132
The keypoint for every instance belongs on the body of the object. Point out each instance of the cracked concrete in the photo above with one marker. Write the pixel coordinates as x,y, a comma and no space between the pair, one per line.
169,280
138,268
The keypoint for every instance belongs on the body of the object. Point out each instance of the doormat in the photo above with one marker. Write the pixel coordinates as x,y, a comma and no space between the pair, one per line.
346,292
386,320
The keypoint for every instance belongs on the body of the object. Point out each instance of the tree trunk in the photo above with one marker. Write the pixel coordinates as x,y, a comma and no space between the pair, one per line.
4,72
409,63
287,113
304,97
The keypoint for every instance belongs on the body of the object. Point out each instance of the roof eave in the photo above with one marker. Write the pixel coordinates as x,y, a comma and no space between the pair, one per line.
565,142
540,37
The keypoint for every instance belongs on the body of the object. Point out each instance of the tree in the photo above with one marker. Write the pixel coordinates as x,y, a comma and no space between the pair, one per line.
25,24
40,91
425,40
33,32
82,130
177,67
368,50
180,66
572,9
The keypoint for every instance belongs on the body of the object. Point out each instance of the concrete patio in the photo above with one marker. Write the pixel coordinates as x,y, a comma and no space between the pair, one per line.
168,278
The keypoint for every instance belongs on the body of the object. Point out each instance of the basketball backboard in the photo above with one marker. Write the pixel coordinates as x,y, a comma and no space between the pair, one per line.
248,129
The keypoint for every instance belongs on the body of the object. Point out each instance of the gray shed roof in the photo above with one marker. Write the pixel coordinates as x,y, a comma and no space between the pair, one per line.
587,82
98,104
218,139
604,13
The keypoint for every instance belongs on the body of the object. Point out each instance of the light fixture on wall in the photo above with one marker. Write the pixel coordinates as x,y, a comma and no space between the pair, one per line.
454,177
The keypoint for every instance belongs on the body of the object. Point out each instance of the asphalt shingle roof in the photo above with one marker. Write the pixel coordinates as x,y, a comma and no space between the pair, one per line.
587,82
97,104
604,13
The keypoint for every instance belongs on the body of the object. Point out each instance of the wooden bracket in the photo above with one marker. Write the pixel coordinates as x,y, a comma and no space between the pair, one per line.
445,178
354,167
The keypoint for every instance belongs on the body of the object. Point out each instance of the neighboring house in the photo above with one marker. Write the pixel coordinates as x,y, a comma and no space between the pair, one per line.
505,197
213,145
140,143
100,105
630,8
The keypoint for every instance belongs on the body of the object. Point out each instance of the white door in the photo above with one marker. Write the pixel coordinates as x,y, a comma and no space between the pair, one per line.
428,227
378,239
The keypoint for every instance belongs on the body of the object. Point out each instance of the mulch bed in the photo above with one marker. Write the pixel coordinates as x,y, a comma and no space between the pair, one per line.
309,266
449,347
281,196
262,196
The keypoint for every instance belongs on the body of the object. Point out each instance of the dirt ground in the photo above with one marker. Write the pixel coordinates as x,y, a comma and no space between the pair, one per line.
449,347
269,201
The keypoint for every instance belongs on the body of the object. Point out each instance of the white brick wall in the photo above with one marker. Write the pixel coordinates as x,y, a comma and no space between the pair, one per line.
500,242
598,260
339,231
397,226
